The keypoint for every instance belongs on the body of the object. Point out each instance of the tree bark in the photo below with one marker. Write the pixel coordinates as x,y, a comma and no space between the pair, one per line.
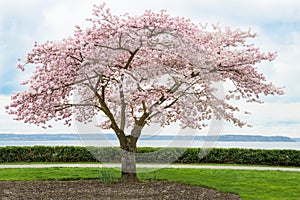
128,151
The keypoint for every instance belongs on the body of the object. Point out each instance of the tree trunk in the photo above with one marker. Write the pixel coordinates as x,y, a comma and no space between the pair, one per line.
128,151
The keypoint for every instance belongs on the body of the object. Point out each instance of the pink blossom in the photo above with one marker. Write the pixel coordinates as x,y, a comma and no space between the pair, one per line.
142,69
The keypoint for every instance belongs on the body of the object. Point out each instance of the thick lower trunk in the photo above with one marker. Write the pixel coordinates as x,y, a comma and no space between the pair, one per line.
129,177
128,151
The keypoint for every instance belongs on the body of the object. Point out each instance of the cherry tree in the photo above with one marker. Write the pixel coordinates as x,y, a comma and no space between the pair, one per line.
138,70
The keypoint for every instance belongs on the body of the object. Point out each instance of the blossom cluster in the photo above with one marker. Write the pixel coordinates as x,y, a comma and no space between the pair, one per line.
141,69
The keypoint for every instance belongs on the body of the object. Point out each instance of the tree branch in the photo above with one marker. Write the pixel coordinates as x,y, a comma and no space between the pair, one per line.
69,105
123,104
113,48
75,58
131,58
105,109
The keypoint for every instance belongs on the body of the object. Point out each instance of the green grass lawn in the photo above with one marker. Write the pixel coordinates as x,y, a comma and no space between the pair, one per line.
246,183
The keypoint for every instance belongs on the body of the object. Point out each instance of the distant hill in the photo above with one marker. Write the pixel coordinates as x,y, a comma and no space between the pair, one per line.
255,138
222,138
296,139
225,138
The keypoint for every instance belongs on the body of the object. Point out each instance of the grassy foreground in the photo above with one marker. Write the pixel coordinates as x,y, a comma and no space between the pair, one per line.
247,184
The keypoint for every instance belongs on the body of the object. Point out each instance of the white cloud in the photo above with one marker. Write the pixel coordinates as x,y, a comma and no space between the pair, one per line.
255,11
60,18
288,130
285,70
18,30
269,119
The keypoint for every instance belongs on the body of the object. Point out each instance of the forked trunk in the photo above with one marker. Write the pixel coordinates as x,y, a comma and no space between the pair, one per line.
128,150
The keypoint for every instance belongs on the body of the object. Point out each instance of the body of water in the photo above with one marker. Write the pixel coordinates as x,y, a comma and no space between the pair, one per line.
160,143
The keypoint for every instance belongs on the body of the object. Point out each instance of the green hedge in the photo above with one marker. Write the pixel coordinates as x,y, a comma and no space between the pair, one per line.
149,154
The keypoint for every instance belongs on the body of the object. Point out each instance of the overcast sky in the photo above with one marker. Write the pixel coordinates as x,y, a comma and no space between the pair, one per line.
276,22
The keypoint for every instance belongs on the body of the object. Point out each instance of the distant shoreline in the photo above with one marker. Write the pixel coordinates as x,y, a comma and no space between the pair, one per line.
221,138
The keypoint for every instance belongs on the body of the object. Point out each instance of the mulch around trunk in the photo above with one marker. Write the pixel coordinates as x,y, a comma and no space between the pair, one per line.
95,189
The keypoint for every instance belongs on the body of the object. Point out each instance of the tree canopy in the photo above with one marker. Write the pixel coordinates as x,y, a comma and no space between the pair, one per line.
141,69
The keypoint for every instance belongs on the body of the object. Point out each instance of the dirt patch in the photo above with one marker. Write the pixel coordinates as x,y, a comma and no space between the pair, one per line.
94,189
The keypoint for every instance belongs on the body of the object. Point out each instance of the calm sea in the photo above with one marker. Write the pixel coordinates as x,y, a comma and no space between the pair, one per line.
160,143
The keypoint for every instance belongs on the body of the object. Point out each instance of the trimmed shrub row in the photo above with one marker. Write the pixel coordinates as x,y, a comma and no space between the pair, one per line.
45,154
149,154
243,156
